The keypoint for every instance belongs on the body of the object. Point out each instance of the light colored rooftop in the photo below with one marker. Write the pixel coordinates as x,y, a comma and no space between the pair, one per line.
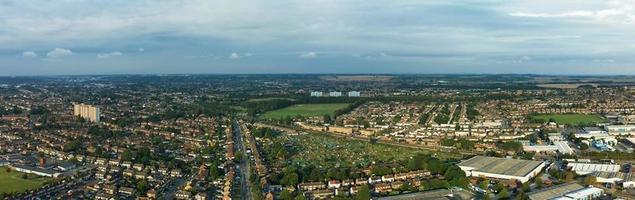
593,167
494,165
554,192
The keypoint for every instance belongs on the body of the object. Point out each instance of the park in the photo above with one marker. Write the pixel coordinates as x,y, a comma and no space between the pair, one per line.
12,181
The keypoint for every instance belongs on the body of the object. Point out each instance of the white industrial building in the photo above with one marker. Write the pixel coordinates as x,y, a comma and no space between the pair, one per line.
354,94
501,168
559,146
36,171
626,179
335,94
620,129
592,132
555,137
568,191
316,94
588,168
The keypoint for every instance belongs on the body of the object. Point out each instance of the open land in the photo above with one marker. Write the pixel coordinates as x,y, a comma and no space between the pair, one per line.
305,110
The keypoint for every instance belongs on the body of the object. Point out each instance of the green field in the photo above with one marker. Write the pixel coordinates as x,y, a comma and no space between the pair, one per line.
13,181
306,110
572,119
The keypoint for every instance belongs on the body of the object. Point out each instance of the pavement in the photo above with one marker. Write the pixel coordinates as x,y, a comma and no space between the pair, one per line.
244,171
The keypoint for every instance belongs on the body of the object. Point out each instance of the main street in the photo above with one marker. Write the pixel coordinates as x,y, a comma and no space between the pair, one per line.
244,171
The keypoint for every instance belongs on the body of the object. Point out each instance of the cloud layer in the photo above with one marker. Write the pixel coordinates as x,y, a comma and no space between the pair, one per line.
349,36
109,55
58,53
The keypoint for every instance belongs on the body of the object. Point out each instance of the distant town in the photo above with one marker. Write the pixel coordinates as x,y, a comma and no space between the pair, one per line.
320,136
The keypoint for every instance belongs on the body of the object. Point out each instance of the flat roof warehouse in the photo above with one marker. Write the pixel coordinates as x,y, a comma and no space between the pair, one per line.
502,168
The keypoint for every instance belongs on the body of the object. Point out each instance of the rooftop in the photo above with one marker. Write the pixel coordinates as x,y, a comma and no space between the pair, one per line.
555,192
513,167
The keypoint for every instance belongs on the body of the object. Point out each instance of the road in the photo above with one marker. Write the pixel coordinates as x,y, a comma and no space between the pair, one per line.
172,187
244,171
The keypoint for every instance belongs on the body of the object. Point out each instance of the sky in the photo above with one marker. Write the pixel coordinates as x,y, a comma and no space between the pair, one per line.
68,37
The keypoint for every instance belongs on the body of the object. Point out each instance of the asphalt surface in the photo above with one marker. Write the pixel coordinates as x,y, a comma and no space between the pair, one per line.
244,171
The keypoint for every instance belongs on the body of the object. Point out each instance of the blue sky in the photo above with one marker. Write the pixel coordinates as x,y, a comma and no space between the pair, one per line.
316,36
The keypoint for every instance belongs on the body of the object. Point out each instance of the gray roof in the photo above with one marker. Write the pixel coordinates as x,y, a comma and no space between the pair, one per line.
494,165
555,191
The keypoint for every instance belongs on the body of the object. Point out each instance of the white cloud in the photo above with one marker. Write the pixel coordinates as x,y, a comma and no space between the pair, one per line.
234,56
141,49
310,54
109,55
59,52
29,54
577,13
615,11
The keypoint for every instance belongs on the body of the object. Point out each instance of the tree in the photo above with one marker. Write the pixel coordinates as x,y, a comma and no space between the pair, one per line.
142,186
456,177
503,194
326,118
521,196
286,195
525,187
584,146
416,163
363,193
126,155
300,197
483,185
434,184
539,183
569,176
25,176
435,166
290,179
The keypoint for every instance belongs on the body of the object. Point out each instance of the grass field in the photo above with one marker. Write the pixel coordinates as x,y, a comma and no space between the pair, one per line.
269,99
306,110
571,118
13,181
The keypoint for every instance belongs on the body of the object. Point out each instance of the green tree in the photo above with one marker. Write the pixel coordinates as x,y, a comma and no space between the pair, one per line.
539,183
142,186
503,194
290,179
126,155
363,193
286,195
483,184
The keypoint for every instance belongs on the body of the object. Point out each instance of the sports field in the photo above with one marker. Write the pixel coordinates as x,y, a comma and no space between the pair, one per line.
306,110
13,181
571,118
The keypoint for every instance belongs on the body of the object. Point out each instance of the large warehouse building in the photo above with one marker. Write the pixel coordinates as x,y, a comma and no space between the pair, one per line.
501,168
